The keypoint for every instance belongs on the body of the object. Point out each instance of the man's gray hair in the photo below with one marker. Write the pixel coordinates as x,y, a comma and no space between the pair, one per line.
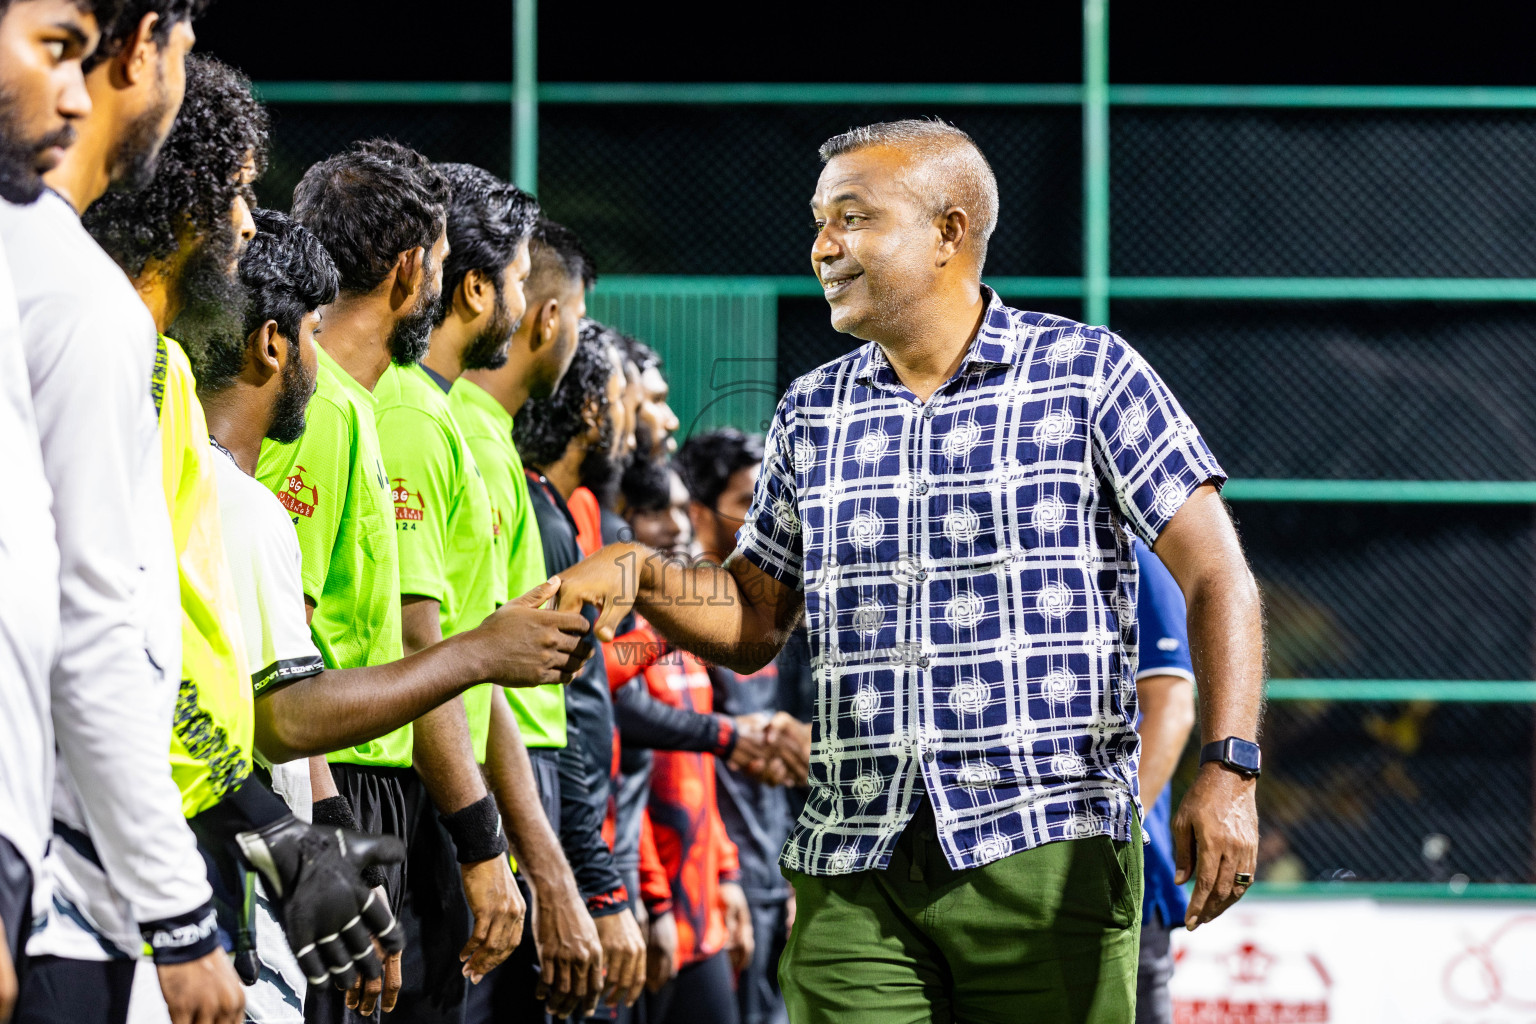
953,170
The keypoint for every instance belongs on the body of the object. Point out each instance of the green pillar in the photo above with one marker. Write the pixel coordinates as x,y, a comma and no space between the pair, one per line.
525,95
1096,161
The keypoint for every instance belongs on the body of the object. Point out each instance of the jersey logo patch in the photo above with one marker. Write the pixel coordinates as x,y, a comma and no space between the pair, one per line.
1168,643
408,503
295,490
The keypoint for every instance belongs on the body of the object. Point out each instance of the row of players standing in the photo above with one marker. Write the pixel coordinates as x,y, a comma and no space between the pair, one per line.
406,518
281,561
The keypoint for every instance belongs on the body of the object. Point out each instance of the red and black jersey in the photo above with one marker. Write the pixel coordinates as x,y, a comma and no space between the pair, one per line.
690,837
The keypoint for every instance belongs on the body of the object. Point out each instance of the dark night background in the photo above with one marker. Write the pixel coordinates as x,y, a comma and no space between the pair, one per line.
1298,42
1340,390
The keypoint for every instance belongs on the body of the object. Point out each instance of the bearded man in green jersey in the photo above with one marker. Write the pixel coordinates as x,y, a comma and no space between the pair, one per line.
380,211
484,301
177,239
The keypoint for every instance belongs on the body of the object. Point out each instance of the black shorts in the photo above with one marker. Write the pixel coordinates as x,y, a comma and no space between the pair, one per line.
78,991
426,892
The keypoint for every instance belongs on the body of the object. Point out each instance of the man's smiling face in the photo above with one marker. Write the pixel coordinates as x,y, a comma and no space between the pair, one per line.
875,241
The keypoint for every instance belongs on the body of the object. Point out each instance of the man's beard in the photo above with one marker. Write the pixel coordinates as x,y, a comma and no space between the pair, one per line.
298,388
601,471
645,441
489,349
138,153
411,339
20,179
213,302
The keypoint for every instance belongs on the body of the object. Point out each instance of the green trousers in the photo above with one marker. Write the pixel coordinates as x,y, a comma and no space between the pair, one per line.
1046,936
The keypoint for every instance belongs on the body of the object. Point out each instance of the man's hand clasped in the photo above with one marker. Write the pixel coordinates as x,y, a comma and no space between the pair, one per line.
529,645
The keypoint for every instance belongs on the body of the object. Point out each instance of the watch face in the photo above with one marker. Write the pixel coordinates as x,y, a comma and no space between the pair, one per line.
1243,754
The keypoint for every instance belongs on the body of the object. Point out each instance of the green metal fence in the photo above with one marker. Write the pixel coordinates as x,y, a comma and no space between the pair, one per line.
1346,544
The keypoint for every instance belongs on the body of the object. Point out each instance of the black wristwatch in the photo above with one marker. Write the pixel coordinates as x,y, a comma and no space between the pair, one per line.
1241,756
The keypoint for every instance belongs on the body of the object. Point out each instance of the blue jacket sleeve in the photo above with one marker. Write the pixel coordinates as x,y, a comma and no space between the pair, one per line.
1160,619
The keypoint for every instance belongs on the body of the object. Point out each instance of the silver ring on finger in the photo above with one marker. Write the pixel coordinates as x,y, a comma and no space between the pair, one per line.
1242,879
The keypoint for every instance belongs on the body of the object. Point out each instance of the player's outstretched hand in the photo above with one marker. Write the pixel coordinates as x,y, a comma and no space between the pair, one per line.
623,957
202,991
330,915
608,580
740,941
527,645
1215,838
382,992
661,952
498,910
790,740
570,953
751,750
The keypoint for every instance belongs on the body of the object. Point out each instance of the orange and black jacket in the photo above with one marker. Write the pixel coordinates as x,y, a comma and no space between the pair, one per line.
586,759
691,841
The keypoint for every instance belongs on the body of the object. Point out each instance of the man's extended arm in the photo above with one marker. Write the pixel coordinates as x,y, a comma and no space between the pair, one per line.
1216,829
734,615
519,644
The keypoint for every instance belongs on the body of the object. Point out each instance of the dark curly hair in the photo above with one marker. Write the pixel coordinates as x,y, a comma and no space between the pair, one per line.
708,461
368,205
558,258
642,355
544,429
487,220
287,274
197,178
127,15
647,485
106,12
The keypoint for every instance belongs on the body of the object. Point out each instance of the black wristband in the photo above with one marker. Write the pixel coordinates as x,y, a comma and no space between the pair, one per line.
336,811
184,938
476,831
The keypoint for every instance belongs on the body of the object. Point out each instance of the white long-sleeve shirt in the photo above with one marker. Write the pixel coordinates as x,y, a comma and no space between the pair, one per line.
90,351
29,604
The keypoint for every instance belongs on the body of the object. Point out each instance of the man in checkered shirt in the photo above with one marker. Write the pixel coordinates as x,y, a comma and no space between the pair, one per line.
951,506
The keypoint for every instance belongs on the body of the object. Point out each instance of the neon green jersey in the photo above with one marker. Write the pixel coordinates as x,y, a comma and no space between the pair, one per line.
443,520
332,482
540,710
212,738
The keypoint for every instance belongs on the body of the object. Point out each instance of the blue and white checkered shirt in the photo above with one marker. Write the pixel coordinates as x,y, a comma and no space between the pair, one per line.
970,588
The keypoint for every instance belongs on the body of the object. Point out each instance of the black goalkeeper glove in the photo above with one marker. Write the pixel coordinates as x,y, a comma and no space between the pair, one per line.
330,915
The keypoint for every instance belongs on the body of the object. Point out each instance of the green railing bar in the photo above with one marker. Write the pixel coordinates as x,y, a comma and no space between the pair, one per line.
878,94
1448,691
1338,289
811,93
673,284
525,95
1367,96
1423,492
384,92
1096,161
1391,891
1449,289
